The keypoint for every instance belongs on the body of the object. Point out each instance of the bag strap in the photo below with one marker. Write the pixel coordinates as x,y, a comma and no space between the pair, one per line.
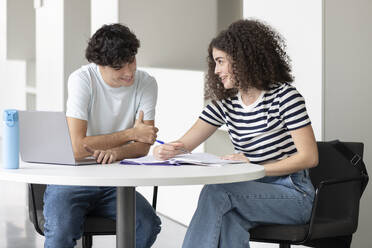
355,160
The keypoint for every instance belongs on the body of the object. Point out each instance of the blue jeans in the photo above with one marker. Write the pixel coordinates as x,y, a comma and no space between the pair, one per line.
226,212
65,209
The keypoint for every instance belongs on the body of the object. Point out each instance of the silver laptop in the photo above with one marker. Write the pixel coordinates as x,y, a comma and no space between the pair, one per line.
45,138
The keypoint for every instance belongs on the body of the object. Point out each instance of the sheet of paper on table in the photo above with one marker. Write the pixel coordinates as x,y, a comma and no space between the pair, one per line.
202,159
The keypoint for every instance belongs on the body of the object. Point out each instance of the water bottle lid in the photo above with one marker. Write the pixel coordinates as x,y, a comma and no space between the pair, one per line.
10,116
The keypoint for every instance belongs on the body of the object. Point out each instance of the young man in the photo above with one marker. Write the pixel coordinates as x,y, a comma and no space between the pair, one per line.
110,114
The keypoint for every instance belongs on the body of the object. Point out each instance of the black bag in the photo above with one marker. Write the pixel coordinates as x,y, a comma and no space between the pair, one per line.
355,160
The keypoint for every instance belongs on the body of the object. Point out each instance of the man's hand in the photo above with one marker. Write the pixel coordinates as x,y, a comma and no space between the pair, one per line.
102,156
144,133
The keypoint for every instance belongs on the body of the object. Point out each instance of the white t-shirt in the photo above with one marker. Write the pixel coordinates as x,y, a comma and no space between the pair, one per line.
109,109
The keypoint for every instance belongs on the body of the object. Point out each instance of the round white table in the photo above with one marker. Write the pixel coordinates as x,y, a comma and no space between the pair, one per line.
126,178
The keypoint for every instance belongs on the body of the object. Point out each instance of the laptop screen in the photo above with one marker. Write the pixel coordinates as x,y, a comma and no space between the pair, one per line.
45,138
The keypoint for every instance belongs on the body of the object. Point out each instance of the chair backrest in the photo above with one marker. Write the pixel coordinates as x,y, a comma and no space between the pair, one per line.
35,204
332,164
38,191
337,201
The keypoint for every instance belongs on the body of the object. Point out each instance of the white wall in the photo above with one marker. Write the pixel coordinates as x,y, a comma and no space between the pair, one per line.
20,29
103,12
180,101
49,56
76,28
173,33
3,29
228,12
12,86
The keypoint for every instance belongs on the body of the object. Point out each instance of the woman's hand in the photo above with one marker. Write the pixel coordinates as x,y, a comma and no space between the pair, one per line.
102,156
236,157
168,150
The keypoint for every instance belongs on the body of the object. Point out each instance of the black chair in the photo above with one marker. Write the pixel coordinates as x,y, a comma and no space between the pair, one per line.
93,225
335,212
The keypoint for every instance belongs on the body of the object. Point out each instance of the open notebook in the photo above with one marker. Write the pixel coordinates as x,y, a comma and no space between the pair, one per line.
202,159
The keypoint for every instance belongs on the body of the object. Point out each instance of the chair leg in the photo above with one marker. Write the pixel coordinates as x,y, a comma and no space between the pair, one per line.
284,246
154,197
87,241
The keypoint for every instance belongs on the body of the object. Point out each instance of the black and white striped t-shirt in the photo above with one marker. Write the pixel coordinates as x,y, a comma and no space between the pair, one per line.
261,130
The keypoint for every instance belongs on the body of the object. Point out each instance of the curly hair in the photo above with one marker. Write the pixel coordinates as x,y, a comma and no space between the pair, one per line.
258,59
112,45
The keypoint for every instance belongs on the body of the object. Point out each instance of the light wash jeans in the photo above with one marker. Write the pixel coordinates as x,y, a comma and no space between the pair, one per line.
226,212
65,209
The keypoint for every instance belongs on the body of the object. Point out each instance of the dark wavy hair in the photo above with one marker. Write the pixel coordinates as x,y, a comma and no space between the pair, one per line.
112,45
258,58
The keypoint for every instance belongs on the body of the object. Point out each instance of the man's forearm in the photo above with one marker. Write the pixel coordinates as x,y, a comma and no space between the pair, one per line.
103,142
132,150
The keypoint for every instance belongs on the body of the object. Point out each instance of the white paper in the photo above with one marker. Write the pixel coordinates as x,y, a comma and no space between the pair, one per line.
206,159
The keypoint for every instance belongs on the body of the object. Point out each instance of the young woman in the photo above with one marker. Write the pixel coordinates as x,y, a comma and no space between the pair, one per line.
249,82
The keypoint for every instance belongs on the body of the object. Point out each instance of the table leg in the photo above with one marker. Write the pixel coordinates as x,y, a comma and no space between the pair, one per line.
126,217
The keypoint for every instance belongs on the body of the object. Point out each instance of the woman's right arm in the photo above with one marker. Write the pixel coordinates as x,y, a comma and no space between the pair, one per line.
196,135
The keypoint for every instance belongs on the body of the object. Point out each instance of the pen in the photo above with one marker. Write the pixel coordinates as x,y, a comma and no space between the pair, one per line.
159,141
182,149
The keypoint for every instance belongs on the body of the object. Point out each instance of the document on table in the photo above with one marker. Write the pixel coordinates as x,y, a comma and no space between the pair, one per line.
202,159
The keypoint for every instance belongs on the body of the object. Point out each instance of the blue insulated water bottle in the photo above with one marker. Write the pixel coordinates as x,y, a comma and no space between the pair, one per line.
11,139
